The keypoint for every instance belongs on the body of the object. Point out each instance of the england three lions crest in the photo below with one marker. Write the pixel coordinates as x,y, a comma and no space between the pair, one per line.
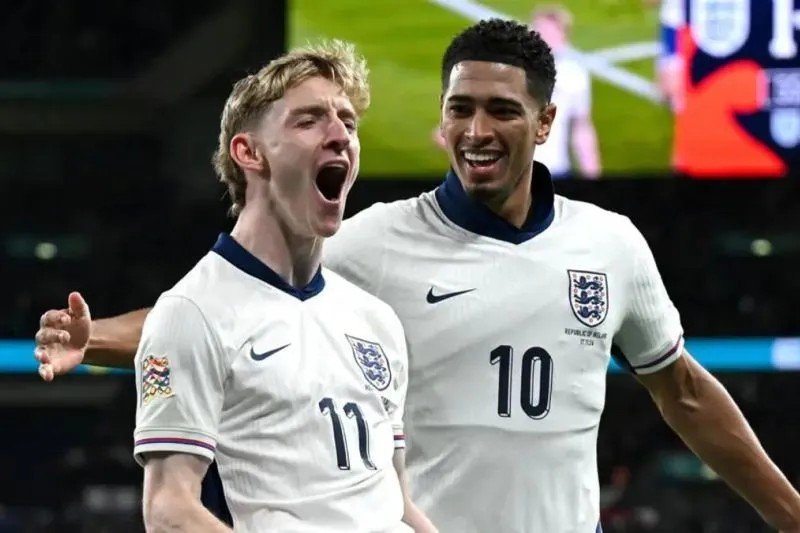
588,296
372,361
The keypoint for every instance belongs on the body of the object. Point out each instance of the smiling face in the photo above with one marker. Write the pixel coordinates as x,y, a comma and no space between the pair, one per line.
491,125
309,156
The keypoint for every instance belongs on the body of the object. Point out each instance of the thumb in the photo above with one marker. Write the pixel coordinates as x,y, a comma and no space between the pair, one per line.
78,307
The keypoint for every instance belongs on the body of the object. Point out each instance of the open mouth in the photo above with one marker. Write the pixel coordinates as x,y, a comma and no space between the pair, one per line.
482,158
330,180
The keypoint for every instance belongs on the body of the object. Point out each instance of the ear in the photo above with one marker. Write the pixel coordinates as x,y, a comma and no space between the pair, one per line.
246,154
546,117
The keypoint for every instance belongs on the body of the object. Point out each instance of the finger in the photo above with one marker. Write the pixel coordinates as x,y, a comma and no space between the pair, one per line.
49,336
78,307
53,318
42,356
46,372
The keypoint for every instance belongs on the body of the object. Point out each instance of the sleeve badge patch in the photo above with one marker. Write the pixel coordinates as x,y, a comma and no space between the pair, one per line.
155,378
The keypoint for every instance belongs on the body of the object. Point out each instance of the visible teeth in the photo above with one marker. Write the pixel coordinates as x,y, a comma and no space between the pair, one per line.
479,157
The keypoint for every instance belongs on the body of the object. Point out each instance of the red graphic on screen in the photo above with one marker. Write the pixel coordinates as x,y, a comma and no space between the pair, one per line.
709,142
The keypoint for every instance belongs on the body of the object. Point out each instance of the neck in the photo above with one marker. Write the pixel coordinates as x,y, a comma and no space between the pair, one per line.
515,208
259,231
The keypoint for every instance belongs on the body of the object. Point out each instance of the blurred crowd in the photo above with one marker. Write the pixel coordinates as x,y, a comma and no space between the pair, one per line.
725,250
47,39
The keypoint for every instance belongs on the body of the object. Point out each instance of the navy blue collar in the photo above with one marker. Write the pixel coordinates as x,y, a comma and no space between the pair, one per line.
235,254
473,216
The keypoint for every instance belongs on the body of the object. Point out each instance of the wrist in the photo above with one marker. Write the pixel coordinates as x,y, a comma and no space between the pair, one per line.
788,520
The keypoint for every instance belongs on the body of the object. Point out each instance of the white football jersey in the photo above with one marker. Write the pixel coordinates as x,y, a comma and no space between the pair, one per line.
509,335
296,393
572,95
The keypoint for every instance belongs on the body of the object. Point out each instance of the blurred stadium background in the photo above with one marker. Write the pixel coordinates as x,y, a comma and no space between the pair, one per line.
108,117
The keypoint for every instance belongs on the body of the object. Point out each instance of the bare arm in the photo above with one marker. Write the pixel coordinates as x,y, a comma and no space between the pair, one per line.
113,341
172,495
584,143
704,415
412,515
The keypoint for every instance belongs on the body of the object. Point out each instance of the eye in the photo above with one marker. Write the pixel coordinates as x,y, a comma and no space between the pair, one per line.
458,109
351,125
505,112
306,122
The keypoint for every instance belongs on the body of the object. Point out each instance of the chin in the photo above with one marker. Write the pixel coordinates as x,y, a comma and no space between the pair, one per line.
327,229
483,189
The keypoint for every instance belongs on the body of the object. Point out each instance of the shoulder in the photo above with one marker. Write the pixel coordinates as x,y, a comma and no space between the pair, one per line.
199,283
357,298
195,289
569,210
371,230
184,310
605,225
380,215
218,298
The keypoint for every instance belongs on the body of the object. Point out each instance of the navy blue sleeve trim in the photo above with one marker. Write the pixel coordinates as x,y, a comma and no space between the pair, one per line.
661,359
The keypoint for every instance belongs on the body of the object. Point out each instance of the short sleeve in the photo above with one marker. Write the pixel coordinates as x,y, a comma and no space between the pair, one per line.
650,336
180,372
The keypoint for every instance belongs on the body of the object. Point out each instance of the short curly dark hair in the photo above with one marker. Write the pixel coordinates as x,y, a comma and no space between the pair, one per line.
508,42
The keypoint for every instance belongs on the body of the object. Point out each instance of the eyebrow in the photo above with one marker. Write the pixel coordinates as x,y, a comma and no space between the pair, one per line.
318,110
494,100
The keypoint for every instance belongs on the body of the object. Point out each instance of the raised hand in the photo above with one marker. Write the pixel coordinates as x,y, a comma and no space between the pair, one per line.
62,338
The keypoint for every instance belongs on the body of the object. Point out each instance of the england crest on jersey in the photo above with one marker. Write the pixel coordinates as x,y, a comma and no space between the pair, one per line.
588,296
372,361
720,27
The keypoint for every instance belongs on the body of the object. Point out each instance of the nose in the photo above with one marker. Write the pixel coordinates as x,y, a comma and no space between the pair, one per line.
480,127
338,138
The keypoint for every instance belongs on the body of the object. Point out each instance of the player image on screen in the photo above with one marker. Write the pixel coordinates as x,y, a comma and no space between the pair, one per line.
573,133
511,298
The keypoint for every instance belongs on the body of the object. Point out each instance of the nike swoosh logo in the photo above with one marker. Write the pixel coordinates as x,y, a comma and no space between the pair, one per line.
262,356
436,298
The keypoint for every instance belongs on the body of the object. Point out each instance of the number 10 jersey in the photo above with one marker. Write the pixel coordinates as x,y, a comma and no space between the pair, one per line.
509,335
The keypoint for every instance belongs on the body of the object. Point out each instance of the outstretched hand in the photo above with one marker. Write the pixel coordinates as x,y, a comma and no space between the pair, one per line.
62,338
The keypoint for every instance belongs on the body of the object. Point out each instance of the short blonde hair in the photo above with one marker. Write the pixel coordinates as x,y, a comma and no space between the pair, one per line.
555,12
253,95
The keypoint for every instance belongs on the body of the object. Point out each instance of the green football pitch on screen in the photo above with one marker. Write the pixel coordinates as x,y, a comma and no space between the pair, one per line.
403,41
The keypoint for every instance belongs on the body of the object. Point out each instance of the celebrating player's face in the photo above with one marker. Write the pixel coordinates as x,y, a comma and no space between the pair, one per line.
491,125
312,150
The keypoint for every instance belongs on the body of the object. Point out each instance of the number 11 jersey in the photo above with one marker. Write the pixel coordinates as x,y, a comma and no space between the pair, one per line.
298,394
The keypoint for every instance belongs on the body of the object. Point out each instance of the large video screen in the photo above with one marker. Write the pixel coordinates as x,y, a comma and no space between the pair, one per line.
704,88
